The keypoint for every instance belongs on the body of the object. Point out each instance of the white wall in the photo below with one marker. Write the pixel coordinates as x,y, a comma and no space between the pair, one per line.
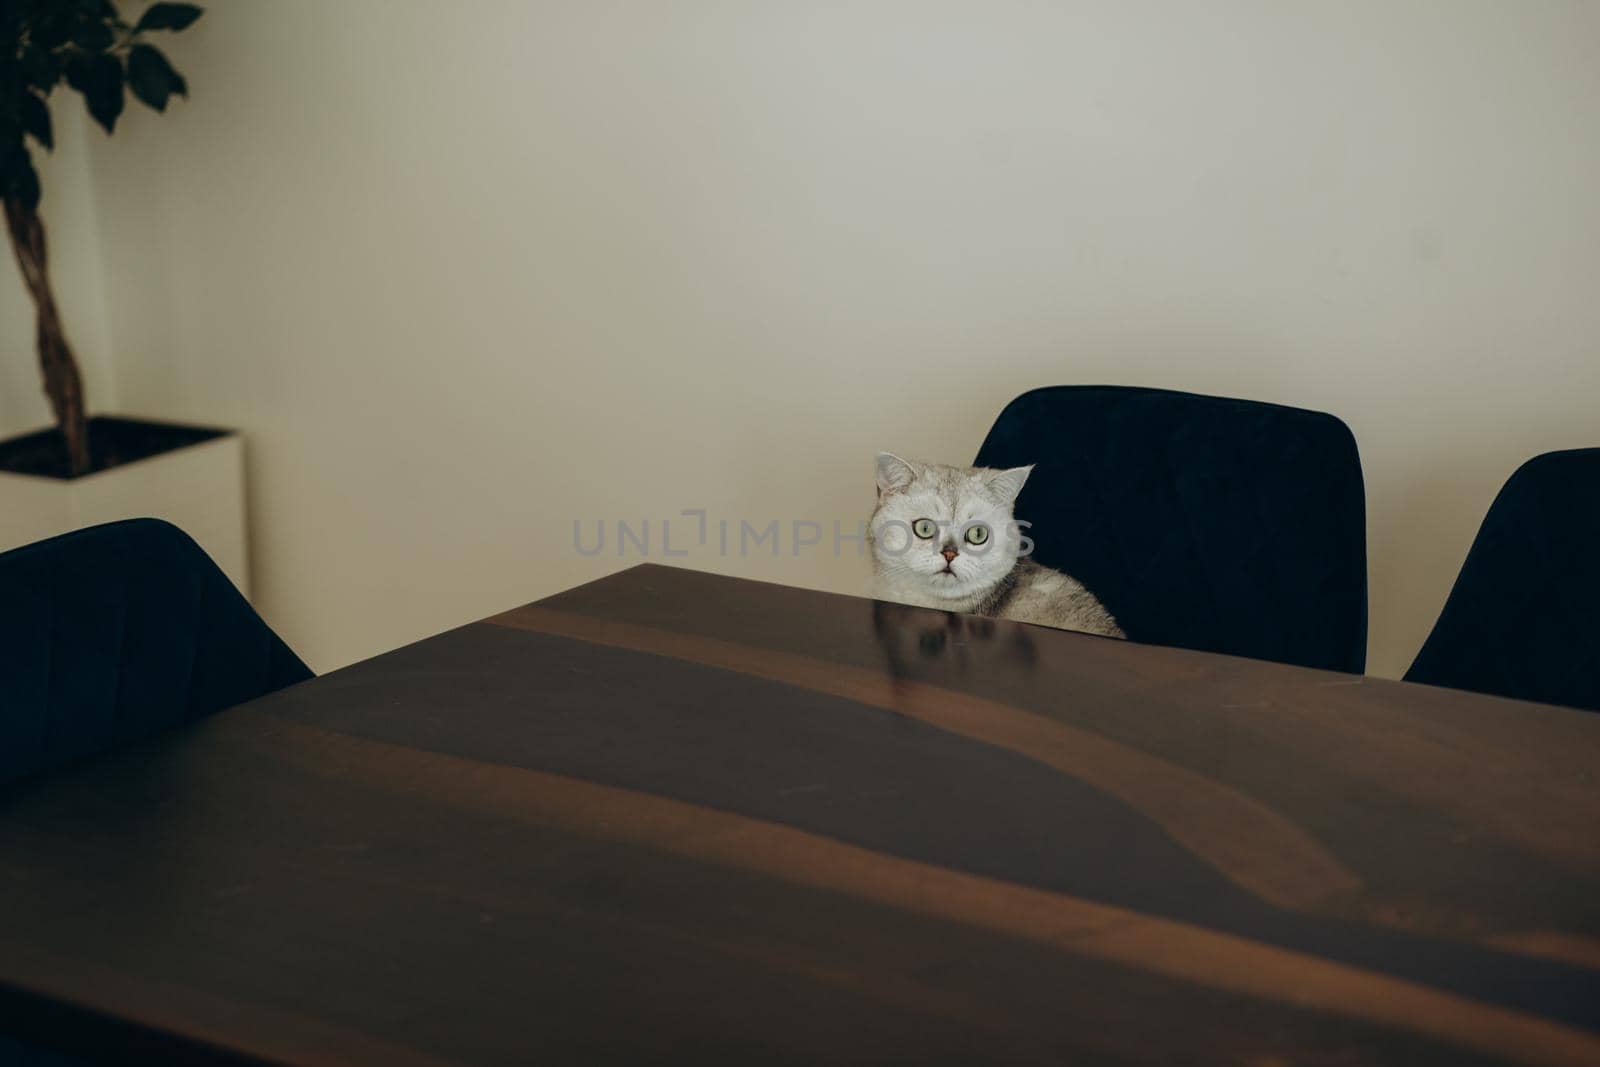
466,272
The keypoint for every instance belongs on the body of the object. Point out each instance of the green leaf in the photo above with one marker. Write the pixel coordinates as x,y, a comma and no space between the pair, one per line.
152,78
18,179
13,153
49,30
36,120
167,17
91,34
39,68
77,71
99,79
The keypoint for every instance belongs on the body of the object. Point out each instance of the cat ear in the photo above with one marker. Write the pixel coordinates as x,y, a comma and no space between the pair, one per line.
1008,483
894,473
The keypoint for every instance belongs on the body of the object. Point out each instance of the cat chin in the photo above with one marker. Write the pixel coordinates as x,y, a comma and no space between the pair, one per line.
953,598
954,589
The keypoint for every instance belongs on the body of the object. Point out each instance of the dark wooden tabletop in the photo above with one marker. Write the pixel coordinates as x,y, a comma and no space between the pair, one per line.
672,817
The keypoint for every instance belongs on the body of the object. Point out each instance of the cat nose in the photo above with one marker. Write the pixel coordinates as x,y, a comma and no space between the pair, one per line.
949,554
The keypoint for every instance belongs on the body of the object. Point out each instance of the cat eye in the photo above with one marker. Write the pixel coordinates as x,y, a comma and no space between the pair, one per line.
924,528
977,533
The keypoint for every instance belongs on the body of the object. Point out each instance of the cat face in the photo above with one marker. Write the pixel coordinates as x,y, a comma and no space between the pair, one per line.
945,532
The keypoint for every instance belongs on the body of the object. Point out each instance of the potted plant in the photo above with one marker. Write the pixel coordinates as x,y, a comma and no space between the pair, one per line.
86,470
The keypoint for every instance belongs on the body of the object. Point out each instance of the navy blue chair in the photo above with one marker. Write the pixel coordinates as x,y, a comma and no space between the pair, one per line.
1201,522
115,632
1523,619
14,1052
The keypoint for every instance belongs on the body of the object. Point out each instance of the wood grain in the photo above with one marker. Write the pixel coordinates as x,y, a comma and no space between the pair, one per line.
678,817
1243,839
1146,943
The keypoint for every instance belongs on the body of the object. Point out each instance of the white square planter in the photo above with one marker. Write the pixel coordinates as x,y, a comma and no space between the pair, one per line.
197,487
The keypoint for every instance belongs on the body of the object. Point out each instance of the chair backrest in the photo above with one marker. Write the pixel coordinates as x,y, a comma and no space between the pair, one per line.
115,632
1201,522
1523,619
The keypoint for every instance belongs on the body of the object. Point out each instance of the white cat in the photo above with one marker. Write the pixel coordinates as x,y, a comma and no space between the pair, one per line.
944,537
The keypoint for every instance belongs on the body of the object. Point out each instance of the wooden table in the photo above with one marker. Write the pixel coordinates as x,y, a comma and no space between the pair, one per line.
671,817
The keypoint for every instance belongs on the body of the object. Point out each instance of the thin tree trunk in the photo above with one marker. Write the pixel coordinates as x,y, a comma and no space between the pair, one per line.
62,383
